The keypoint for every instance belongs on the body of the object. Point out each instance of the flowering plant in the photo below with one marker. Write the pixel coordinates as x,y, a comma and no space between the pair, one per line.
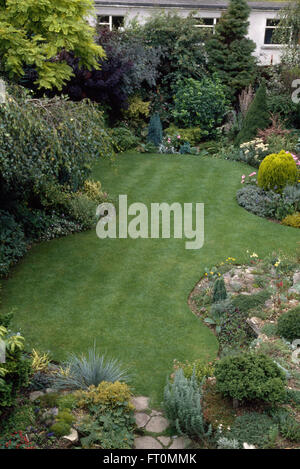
250,179
16,441
172,144
254,152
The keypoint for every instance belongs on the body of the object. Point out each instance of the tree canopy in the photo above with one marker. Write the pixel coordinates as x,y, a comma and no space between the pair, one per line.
34,33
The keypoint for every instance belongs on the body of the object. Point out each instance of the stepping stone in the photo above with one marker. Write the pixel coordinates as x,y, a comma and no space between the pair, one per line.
146,442
140,402
157,425
165,440
155,413
179,443
141,419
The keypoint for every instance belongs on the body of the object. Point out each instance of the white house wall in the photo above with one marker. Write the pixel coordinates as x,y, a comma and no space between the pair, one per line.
267,54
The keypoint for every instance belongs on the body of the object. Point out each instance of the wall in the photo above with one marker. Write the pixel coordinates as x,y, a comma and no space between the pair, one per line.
266,54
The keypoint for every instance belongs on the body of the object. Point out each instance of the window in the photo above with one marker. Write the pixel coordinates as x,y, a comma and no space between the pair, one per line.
110,22
208,24
271,26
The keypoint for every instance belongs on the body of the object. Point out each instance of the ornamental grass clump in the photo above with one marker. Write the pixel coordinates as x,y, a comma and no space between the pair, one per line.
87,370
182,403
277,171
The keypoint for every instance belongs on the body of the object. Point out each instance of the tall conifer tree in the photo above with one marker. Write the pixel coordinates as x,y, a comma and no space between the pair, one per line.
230,51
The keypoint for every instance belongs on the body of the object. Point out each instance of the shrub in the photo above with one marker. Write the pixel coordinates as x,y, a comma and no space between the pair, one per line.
130,66
49,139
185,149
251,377
155,134
192,135
105,394
217,314
281,105
182,52
82,210
253,428
14,373
111,429
277,171
253,152
230,51
292,196
293,397
265,204
92,189
256,118
292,220
219,292
48,400
12,242
234,331
123,139
66,416
29,39
244,303
60,429
84,371
182,403
40,381
47,149
67,401
19,418
199,103
288,325
111,422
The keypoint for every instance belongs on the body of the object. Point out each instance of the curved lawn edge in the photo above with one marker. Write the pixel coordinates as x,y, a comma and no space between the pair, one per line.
131,295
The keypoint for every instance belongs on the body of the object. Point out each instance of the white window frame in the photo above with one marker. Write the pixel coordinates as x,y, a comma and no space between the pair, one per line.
212,26
110,21
270,27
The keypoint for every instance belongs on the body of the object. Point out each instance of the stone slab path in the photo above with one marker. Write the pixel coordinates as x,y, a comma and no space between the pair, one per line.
153,425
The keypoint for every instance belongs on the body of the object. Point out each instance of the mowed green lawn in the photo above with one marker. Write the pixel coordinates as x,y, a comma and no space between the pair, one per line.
130,296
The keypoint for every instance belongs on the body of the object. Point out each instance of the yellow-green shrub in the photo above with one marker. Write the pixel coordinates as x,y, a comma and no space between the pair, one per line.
277,171
137,108
92,190
108,394
292,220
193,135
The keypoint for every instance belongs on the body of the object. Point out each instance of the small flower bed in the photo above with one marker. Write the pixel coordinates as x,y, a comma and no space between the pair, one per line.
176,144
16,441
283,204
